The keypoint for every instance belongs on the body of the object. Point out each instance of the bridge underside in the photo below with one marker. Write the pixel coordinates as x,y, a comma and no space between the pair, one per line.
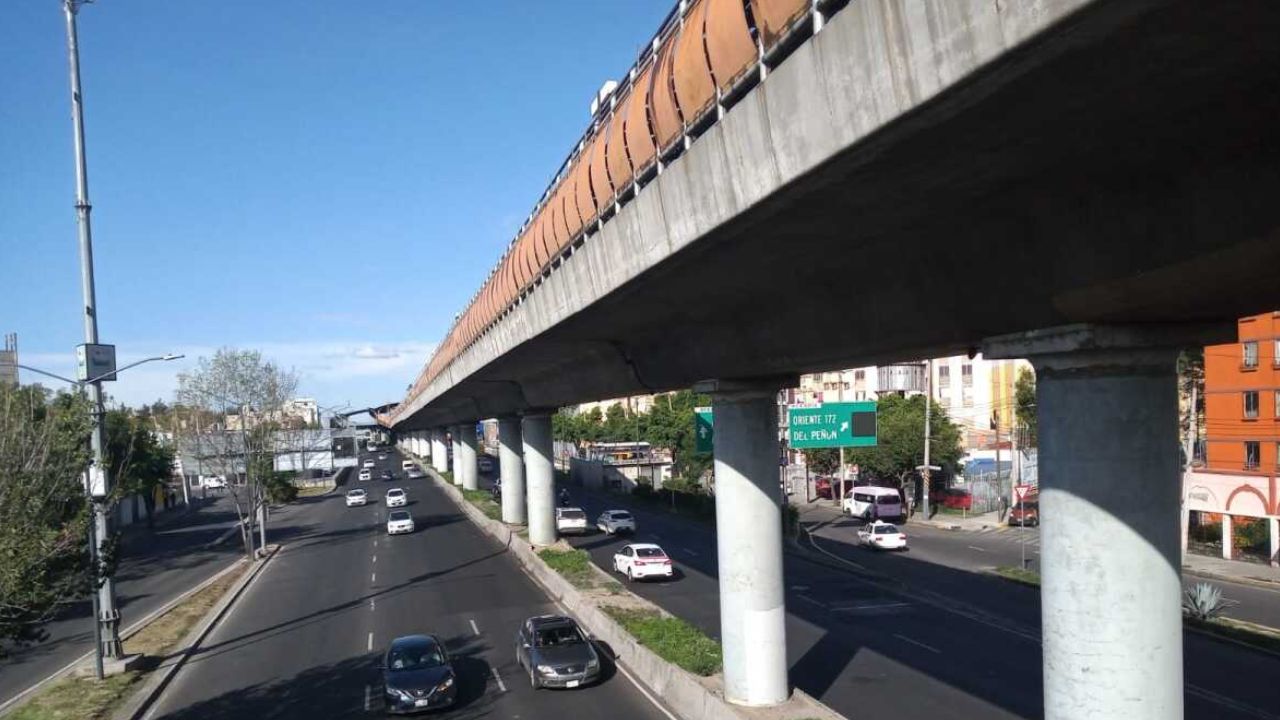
1119,168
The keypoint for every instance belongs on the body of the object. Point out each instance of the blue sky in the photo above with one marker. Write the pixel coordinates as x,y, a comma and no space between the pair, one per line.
327,181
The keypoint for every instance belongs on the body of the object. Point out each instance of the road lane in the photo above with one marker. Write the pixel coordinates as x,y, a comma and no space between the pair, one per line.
297,645
855,631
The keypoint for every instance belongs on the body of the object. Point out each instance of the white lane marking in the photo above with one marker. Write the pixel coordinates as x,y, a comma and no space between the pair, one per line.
811,600
371,604
474,629
368,697
917,643
370,643
687,550
373,578
375,558
972,547
375,543
852,607
497,677
799,588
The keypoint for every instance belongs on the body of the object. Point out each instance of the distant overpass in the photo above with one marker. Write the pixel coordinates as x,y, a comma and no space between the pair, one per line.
777,189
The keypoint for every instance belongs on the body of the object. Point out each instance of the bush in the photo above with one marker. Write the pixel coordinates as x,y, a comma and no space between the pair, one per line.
673,639
280,487
1204,601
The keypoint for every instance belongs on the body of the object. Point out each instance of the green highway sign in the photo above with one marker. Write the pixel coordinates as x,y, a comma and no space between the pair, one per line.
832,425
704,432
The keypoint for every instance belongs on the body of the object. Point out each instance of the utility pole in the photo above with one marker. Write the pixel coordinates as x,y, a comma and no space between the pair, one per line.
107,615
928,411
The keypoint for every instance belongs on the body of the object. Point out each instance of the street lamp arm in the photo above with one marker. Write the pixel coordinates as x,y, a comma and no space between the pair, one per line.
48,374
157,358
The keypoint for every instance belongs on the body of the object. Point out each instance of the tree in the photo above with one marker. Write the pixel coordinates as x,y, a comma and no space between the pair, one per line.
44,514
241,381
670,424
1024,406
615,424
138,463
1191,385
900,447
823,461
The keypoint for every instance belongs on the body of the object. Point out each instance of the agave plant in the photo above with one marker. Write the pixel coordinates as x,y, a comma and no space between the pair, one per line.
1204,601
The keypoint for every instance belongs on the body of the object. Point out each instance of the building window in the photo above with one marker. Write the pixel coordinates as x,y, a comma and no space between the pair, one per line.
1251,404
1277,403
859,374
1275,354
1252,455
1278,456
860,395
966,375
1250,358
966,398
944,376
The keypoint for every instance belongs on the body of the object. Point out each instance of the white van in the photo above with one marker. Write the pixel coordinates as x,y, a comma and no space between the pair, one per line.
873,503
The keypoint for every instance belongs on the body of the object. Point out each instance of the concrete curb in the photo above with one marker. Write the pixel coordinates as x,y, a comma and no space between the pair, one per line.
137,705
1210,575
137,626
691,697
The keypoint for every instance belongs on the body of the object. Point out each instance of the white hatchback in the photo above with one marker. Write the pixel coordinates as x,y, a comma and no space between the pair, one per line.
396,498
399,521
883,536
642,560
571,520
370,463
366,475
612,522
357,497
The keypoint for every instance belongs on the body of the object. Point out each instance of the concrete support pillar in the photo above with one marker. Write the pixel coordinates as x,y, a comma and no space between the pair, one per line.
749,543
1227,537
465,464
439,452
1274,524
540,478
1110,508
511,466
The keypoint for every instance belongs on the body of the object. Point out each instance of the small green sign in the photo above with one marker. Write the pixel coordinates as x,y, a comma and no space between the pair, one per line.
832,425
704,431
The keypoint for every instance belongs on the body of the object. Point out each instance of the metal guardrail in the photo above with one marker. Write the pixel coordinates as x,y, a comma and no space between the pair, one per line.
705,56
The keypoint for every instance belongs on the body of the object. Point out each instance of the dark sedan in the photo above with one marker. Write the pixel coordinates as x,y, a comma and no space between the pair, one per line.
417,675
556,653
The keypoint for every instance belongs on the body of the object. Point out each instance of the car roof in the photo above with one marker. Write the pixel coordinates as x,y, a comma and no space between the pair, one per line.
395,490
410,641
356,491
569,509
644,546
618,511
541,621
399,515
876,490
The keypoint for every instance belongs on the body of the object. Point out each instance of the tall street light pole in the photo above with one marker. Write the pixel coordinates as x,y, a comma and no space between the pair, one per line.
107,631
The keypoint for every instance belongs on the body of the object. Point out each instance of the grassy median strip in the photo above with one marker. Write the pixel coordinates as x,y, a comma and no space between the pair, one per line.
1018,575
77,698
483,500
673,639
1259,636
314,490
574,565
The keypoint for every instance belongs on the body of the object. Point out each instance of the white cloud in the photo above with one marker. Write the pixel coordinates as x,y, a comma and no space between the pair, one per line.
335,373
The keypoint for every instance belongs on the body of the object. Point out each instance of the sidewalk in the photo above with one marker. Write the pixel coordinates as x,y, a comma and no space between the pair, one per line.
1232,570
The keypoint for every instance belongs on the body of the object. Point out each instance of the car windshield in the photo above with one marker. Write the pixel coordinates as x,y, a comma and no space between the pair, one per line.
650,552
395,493
356,493
415,657
573,515
557,636
886,529
398,515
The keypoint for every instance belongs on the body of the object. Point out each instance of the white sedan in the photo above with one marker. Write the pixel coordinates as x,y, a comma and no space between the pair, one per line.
883,536
612,522
357,497
399,521
396,498
370,463
366,475
571,520
642,560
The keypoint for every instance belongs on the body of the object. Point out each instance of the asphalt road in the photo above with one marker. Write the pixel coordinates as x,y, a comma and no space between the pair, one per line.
305,639
1005,546
154,568
874,633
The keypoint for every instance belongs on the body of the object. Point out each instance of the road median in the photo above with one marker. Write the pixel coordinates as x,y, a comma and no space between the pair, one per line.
596,601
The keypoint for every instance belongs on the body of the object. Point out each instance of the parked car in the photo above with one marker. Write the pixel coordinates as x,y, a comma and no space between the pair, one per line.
417,675
882,536
215,482
399,521
1027,512
957,499
396,498
641,560
485,463
365,475
873,503
571,520
369,463
556,653
612,522
357,497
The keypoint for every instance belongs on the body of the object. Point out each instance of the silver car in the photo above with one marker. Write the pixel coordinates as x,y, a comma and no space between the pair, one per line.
556,653
612,522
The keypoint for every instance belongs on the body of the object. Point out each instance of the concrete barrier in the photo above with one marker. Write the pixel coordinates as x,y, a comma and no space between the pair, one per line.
688,695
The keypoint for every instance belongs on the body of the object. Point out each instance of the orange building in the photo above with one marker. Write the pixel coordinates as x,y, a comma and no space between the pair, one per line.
1232,505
